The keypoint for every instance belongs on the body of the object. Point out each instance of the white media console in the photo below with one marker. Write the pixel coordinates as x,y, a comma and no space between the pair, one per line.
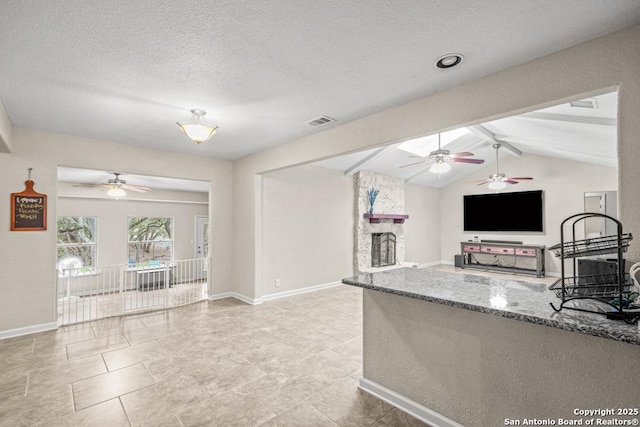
505,256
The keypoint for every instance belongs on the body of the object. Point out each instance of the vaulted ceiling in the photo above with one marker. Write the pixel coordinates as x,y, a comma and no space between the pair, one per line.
126,71
583,130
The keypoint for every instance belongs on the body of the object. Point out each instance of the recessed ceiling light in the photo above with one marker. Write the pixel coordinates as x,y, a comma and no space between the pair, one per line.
449,60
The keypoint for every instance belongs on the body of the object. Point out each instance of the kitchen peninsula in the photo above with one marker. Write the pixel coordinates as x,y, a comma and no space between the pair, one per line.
455,348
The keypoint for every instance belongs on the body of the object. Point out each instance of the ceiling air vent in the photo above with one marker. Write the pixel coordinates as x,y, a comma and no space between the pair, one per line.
585,103
320,121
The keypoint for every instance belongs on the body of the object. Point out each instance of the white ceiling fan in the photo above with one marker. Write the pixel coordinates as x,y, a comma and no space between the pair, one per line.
441,159
117,186
498,181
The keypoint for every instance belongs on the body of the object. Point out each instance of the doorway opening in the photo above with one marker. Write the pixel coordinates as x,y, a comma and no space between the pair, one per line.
132,250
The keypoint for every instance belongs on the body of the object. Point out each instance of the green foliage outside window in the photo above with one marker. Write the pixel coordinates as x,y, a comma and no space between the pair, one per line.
150,240
76,238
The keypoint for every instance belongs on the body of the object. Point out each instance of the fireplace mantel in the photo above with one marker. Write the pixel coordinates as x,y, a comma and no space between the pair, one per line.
377,218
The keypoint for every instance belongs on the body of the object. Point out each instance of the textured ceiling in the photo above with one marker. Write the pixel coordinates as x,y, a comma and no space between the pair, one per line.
126,71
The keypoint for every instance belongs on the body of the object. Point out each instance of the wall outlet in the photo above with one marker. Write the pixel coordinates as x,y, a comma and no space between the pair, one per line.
277,283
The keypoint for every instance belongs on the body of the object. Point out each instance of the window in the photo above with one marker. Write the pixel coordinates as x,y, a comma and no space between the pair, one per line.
77,240
150,241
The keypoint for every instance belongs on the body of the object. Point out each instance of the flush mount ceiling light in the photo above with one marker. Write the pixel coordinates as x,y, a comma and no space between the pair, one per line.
449,60
197,129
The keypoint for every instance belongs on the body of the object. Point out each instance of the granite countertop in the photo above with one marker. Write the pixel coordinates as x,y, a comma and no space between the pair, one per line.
527,301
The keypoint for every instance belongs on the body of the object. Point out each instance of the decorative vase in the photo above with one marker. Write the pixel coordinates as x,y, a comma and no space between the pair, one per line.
371,195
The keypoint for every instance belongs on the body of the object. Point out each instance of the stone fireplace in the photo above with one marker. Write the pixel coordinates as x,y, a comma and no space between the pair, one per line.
390,200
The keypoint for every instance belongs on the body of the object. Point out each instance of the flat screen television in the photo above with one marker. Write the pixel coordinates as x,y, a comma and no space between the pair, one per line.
521,211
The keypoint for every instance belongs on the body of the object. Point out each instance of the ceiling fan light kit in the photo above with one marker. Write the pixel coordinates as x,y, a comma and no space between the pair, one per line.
498,181
497,185
197,129
440,167
117,186
442,159
116,192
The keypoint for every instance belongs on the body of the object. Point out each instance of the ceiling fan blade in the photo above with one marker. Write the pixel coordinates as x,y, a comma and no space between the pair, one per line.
463,154
416,163
475,161
485,182
418,157
478,180
521,178
509,181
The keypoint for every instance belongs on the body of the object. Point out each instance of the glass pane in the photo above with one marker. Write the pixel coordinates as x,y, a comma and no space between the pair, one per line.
86,254
149,254
149,229
76,229
205,239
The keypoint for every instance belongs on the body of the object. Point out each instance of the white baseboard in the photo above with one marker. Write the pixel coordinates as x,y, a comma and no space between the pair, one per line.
26,330
270,297
429,264
304,290
412,408
237,296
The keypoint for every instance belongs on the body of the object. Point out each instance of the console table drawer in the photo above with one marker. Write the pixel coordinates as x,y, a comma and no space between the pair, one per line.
471,248
497,250
525,252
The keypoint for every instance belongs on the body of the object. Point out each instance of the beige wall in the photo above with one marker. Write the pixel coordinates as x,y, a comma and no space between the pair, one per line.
564,183
308,221
478,369
112,216
598,66
27,258
27,283
307,236
422,229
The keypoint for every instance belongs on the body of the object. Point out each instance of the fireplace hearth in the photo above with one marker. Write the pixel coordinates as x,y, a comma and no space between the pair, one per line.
383,249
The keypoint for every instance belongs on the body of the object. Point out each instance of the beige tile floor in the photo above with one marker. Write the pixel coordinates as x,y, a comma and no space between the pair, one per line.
289,362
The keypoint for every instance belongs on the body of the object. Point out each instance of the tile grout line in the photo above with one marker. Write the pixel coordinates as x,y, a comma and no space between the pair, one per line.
73,397
124,410
104,362
124,394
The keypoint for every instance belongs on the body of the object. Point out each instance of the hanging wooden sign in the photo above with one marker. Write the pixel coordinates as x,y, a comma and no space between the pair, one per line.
28,209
